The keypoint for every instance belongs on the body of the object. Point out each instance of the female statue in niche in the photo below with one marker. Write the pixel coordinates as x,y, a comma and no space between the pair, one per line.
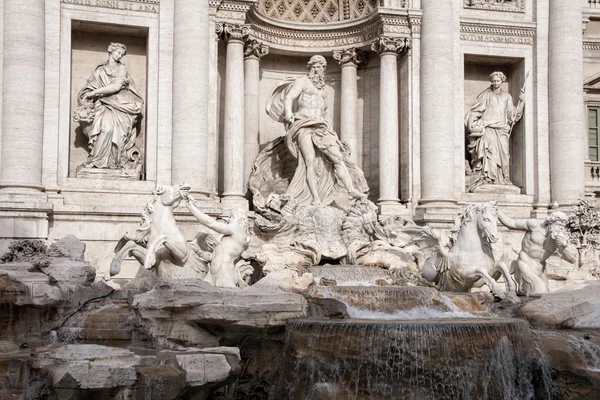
489,124
110,108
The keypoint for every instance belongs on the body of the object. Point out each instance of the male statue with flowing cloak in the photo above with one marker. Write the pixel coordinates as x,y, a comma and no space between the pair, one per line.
323,169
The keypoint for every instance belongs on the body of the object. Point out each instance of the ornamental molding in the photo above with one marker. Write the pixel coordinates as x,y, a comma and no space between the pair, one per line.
232,5
149,6
232,32
305,38
515,6
386,45
255,49
487,33
352,56
591,44
230,10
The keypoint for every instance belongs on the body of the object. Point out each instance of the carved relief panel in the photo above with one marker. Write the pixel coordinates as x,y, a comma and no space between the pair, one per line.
496,5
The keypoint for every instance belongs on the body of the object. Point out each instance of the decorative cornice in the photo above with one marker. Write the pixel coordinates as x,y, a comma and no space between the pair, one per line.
386,45
230,10
232,32
395,25
591,44
149,6
352,56
235,5
255,49
477,32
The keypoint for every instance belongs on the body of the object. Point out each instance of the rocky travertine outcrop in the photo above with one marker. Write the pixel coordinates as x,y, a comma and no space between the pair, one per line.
40,287
199,304
574,357
577,309
90,367
78,371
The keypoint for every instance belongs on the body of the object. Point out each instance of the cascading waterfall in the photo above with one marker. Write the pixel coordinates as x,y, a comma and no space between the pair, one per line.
403,302
351,275
420,359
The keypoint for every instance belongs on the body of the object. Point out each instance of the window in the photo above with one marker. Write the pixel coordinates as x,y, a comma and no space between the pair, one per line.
593,130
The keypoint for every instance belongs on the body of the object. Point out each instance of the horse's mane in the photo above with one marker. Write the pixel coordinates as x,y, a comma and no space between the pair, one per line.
467,216
143,231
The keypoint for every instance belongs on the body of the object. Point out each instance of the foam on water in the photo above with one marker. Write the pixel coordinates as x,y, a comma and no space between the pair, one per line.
413,314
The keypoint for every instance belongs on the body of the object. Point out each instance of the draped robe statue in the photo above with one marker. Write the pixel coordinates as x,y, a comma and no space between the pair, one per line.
489,124
110,108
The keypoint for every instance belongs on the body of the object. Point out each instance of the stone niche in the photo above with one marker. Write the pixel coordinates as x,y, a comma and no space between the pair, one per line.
476,79
90,42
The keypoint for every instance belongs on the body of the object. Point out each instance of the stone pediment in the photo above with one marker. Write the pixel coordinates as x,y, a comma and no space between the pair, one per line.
592,83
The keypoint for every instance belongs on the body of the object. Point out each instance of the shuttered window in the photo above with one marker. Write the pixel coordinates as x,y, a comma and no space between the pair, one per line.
593,130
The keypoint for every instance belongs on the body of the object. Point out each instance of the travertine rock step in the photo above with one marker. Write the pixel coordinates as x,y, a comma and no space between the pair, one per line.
351,275
13,377
197,304
106,320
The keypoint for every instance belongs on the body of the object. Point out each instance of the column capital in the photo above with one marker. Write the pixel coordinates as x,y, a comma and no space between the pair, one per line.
391,45
351,56
255,49
232,32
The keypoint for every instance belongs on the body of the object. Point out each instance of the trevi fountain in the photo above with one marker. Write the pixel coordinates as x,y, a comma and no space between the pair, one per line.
299,199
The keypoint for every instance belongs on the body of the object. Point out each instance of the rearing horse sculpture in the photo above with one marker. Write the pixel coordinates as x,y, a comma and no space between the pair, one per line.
159,243
467,258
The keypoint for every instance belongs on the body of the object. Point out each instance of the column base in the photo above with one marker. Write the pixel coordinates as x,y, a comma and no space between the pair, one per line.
24,220
391,208
438,213
24,213
540,211
232,202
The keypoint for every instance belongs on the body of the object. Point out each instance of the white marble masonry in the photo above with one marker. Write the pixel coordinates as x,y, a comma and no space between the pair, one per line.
22,95
389,164
567,129
253,52
233,137
190,95
349,60
437,102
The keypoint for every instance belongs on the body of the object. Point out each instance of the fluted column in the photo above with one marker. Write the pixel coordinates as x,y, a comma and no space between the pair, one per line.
190,95
22,96
437,103
567,140
233,129
389,156
349,60
253,52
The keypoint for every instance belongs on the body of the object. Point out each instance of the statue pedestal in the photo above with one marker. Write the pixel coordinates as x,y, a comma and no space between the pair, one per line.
489,188
104,173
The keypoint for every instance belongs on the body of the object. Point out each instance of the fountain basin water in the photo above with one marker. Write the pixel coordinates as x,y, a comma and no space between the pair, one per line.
417,359
404,302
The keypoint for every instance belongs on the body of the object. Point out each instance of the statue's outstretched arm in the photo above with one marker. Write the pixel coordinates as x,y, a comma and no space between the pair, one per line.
519,224
208,221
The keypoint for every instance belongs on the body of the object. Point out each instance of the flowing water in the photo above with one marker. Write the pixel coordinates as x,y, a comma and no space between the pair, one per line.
419,359
408,342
